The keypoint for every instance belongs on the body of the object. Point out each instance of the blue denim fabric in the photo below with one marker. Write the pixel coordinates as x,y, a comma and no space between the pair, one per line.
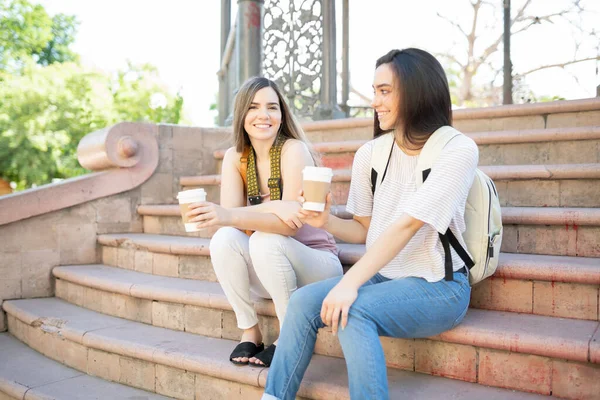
400,308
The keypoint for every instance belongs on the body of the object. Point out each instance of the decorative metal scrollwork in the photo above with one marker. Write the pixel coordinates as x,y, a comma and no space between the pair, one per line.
293,56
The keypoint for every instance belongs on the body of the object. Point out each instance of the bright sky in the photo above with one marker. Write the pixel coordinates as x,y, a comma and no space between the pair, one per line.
182,38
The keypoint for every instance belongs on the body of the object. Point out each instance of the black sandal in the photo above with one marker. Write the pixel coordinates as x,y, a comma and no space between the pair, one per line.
245,349
265,356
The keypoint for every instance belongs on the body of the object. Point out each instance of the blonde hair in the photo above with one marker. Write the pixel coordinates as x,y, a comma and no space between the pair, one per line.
290,128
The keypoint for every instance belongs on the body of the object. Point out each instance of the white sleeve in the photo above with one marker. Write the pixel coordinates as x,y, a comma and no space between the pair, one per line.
360,198
447,186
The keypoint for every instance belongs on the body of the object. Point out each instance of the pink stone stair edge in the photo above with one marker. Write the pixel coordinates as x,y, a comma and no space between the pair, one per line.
12,389
524,333
319,382
511,266
158,243
520,266
510,215
481,138
506,111
496,172
174,357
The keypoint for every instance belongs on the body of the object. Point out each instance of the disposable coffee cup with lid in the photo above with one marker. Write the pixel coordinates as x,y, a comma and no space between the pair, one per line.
316,184
185,198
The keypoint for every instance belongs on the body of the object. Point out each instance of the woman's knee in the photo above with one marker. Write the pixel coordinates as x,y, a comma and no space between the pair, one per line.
304,301
261,241
226,240
309,299
358,326
266,250
223,237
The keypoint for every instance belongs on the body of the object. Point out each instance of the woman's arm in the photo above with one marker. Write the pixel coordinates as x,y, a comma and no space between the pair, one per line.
386,247
234,213
348,230
359,203
232,185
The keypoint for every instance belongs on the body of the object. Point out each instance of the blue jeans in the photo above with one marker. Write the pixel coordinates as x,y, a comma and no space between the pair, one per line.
400,308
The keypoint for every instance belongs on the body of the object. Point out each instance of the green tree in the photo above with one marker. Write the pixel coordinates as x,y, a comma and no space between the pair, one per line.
28,32
45,111
64,29
48,102
139,95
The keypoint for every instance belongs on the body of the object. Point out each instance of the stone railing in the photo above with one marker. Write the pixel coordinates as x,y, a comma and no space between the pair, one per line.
57,224
122,156
132,164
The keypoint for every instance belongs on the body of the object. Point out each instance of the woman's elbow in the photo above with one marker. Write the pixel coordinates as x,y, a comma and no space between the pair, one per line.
410,223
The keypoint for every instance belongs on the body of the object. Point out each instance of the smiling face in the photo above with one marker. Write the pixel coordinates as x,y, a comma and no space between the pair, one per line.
386,97
263,118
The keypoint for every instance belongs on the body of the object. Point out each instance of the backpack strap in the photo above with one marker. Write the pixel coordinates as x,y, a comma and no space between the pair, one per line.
431,151
380,158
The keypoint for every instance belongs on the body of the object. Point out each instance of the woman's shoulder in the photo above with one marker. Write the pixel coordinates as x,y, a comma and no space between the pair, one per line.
295,144
294,148
364,151
232,156
463,144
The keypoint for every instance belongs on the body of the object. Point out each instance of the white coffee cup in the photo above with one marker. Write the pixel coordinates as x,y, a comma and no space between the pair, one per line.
185,198
316,184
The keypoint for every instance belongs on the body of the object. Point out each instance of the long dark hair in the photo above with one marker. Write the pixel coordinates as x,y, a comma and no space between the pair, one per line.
422,85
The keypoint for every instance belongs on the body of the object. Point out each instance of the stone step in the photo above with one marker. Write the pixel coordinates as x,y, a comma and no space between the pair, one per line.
514,147
26,374
561,185
572,294
163,255
560,231
190,366
557,114
186,306
545,285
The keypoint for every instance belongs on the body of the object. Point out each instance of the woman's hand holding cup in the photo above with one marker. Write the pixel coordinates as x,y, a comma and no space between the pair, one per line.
317,219
208,214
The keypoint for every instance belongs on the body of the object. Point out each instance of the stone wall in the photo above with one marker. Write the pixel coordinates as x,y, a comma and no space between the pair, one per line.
30,248
184,151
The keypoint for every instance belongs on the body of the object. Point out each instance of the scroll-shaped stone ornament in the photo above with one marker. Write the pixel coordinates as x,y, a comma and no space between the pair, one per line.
122,157
118,146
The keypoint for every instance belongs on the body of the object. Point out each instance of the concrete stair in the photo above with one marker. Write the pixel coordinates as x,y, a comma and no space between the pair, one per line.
153,317
186,365
557,286
522,185
513,147
529,230
26,374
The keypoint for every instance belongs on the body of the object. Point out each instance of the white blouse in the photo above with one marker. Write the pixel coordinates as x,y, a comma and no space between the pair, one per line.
439,202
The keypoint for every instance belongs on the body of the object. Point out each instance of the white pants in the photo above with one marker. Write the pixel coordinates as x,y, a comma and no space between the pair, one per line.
272,266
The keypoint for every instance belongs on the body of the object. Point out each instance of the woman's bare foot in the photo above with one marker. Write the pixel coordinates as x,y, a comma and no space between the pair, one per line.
253,335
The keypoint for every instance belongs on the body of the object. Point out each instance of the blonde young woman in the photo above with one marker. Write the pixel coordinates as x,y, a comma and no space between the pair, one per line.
282,254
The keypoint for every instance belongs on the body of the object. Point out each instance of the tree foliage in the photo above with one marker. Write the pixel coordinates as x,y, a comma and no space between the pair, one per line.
27,32
48,101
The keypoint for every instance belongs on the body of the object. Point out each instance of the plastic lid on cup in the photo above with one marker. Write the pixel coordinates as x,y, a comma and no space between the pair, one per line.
191,194
318,173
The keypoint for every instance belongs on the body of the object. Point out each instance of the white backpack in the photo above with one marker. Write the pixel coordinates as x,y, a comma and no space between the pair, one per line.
483,235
